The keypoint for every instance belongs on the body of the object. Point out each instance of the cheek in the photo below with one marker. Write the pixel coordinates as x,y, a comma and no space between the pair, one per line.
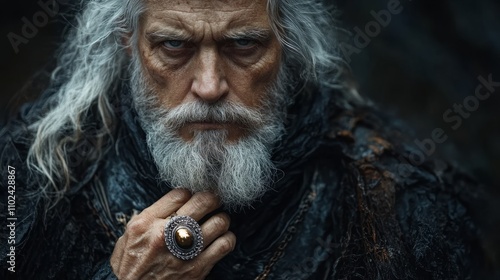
169,86
251,84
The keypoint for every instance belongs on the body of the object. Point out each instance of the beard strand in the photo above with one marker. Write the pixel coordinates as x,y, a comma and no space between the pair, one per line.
239,172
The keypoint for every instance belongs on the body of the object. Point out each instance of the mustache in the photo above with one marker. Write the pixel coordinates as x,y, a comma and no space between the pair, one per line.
220,112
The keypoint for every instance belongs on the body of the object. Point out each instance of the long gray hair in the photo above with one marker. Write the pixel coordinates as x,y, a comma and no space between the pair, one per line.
93,63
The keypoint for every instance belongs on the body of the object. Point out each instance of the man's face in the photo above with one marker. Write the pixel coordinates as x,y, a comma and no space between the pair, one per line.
210,51
209,89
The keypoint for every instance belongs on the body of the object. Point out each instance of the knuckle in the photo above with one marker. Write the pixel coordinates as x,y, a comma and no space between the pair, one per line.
205,200
137,225
226,245
221,223
179,196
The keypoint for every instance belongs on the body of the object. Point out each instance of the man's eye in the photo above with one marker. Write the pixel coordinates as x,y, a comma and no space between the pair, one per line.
173,44
244,43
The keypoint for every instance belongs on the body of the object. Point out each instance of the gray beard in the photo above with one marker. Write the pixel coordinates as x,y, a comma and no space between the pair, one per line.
239,172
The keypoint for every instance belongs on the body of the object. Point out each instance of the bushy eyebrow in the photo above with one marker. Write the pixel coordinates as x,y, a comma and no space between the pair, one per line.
177,34
253,33
163,35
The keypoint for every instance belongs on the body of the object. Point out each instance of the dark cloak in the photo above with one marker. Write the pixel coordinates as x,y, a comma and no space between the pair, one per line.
348,204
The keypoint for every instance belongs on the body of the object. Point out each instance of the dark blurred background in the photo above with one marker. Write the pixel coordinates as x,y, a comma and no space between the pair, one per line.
426,59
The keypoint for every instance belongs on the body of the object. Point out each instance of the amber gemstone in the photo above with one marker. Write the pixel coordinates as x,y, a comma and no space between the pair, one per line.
184,238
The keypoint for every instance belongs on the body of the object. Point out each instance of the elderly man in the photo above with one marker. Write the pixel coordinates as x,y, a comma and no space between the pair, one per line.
211,139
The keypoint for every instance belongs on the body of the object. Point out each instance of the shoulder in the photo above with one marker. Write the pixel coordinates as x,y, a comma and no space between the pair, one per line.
414,218
47,244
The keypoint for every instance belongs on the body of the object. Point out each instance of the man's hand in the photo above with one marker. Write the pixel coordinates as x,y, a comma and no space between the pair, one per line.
141,252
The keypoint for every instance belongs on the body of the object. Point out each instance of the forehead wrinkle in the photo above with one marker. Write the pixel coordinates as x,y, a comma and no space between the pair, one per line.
205,20
168,25
206,12
218,5
178,28
211,16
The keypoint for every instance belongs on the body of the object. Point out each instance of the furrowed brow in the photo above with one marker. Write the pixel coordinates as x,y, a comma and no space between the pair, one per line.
256,33
162,35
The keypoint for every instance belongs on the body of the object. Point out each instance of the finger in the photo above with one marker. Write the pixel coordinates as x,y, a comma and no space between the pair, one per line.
117,254
199,205
215,227
169,203
218,249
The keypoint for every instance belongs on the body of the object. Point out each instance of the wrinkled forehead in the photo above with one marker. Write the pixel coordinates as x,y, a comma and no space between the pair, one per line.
207,5
217,15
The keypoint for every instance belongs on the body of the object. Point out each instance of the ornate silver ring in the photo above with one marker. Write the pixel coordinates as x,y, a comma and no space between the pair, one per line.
183,237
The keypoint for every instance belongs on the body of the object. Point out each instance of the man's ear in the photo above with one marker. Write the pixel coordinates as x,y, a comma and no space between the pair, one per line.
126,43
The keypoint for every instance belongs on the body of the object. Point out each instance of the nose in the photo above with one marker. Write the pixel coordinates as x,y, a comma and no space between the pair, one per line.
209,83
